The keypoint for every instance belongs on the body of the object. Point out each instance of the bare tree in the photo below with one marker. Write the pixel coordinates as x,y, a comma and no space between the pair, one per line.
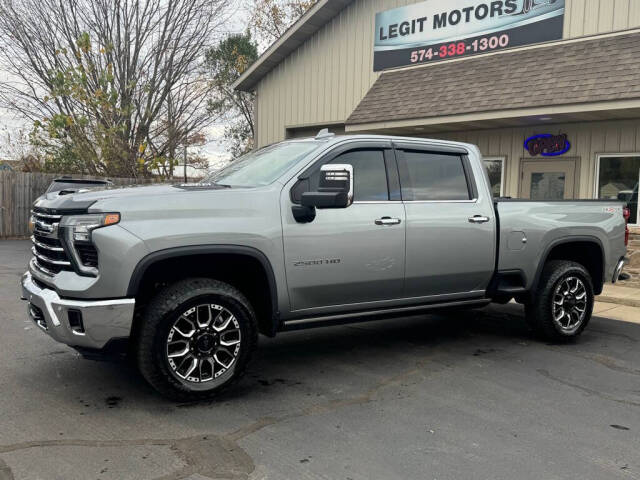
271,18
117,84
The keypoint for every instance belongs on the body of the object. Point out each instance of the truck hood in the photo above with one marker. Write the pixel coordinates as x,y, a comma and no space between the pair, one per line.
87,198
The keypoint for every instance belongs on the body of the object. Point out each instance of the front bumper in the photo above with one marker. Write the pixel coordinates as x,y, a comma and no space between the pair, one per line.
91,323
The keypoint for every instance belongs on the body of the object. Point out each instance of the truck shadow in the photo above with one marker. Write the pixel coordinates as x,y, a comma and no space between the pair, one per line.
343,354
499,332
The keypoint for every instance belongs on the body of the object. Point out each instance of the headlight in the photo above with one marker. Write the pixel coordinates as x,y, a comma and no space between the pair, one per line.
81,226
76,231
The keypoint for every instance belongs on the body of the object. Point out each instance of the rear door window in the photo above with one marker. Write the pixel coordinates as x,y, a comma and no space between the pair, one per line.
429,176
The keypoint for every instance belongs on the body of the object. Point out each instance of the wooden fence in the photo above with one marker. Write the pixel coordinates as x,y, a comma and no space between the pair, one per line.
19,190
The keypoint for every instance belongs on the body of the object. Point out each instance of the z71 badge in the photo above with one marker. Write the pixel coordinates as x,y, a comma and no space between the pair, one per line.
611,210
310,263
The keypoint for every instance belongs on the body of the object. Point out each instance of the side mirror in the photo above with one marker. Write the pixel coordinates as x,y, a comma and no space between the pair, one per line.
335,188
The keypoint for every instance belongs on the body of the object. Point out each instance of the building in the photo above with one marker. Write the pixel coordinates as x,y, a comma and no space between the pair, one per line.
548,89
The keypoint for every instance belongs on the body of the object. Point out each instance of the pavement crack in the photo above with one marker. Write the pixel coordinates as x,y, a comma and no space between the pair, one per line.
320,408
256,426
605,360
612,364
605,396
80,443
5,471
211,455
612,334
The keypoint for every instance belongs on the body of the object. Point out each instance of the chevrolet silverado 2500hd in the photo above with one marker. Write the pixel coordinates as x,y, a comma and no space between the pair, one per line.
306,233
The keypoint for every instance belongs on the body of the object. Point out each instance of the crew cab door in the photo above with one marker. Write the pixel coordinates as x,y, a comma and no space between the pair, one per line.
347,256
450,223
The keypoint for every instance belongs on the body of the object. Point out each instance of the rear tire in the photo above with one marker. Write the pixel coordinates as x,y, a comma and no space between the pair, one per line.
196,338
563,301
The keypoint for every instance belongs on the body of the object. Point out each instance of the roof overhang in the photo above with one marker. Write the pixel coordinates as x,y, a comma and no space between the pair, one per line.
587,79
587,112
312,21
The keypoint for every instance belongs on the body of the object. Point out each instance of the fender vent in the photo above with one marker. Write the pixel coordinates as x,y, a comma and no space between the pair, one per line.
88,254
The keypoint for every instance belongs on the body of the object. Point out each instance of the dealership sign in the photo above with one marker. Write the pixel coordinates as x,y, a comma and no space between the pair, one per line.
441,29
547,145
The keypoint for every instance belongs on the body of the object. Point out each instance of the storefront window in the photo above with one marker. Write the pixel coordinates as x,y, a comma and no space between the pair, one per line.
618,178
495,168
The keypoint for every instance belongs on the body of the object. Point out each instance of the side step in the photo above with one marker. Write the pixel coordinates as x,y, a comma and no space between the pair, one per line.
380,314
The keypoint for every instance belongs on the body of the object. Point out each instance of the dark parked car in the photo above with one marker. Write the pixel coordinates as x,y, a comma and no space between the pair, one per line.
630,197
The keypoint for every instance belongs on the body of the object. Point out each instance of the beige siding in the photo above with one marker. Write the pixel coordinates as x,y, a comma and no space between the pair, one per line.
587,141
325,79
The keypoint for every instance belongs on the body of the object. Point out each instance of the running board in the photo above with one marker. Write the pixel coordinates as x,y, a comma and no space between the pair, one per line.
363,316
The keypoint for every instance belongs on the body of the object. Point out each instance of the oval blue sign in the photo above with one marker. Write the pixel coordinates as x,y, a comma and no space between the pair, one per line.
547,145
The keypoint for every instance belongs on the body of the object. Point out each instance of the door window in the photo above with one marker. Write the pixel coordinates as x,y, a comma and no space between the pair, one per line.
618,178
432,176
547,185
369,176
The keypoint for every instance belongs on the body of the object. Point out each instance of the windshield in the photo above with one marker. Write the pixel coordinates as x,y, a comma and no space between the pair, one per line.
261,167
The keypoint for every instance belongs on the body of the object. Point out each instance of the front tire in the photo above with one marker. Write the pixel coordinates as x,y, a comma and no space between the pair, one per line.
196,339
563,301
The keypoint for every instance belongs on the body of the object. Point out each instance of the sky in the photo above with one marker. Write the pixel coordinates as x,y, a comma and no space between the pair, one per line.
12,126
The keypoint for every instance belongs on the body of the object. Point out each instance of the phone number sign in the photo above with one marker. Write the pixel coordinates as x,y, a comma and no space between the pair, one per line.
441,29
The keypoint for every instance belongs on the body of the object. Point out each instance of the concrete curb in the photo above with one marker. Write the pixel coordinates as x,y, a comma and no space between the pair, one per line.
629,302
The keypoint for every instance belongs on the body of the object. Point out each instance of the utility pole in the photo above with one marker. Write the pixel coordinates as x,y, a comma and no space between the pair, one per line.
185,163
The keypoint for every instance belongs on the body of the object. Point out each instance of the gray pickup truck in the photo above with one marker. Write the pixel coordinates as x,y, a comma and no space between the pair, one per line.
306,233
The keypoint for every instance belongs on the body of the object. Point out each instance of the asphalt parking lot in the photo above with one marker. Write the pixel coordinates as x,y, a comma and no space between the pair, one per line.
465,396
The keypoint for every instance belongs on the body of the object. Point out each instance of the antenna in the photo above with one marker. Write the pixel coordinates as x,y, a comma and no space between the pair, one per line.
324,133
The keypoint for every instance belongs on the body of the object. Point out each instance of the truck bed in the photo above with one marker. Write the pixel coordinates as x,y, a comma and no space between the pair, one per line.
529,231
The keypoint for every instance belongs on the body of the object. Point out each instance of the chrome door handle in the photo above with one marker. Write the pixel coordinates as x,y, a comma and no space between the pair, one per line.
388,221
478,219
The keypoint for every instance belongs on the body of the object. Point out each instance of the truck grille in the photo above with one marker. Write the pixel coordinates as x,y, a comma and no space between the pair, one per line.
50,256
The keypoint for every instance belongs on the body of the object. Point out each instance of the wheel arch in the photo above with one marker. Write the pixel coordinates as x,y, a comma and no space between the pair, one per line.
269,318
579,249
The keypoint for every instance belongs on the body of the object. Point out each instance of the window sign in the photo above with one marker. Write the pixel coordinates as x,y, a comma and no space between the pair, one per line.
440,29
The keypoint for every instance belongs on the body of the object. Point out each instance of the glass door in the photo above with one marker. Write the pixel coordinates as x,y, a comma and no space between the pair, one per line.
548,180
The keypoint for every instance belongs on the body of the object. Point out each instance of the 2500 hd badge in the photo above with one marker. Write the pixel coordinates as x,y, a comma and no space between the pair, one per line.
309,263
